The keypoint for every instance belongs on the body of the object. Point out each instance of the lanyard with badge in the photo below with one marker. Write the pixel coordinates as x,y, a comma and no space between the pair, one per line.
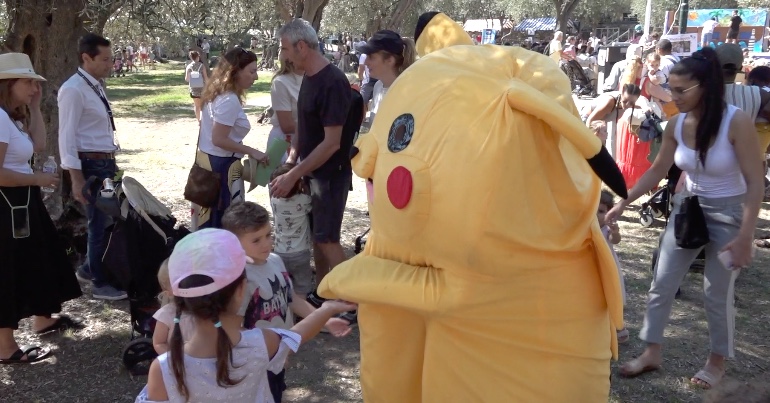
103,99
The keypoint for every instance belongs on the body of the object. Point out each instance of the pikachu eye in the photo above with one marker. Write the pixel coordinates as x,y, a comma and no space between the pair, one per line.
401,132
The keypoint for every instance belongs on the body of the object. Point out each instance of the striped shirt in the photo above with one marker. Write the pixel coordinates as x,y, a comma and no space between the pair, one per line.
745,97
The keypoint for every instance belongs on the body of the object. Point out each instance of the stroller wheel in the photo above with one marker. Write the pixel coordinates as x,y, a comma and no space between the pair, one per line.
646,219
138,354
656,213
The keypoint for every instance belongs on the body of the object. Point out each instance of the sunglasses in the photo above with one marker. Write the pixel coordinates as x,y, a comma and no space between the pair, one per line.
684,91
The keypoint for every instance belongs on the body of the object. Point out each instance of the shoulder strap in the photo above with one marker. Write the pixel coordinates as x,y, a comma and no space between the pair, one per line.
198,143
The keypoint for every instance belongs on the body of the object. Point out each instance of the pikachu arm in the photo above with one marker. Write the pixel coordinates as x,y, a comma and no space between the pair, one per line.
372,280
608,272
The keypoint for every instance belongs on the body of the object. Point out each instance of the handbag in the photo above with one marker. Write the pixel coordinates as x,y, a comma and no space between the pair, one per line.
690,229
203,186
650,128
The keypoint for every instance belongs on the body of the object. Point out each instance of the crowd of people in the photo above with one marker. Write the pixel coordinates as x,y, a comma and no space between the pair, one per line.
233,287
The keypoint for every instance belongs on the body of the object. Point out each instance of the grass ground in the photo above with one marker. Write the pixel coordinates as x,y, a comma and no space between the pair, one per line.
163,94
158,145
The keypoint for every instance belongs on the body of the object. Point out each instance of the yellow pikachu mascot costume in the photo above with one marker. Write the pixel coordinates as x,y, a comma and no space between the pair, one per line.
486,277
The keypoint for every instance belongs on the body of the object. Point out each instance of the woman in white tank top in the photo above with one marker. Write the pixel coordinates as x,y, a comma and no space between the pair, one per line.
715,145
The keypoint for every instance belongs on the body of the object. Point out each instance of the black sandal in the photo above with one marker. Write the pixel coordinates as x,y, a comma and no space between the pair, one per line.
63,322
33,353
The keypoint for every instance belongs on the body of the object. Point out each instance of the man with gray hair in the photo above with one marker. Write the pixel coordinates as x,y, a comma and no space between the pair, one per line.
326,126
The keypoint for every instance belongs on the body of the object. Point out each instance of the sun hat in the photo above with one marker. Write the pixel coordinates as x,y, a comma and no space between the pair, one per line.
17,65
211,252
250,172
385,40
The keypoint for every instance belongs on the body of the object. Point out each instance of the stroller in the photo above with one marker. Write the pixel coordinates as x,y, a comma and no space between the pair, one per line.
141,235
659,205
117,68
579,81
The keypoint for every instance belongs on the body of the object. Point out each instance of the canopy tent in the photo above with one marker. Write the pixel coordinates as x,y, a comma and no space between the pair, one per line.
537,24
480,25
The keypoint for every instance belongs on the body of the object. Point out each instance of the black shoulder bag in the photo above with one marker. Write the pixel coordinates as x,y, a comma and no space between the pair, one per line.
690,227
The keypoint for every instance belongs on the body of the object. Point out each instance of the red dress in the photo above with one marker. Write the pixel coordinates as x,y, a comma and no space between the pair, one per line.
631,154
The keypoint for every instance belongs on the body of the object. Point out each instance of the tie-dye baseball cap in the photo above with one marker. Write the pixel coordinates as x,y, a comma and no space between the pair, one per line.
215,253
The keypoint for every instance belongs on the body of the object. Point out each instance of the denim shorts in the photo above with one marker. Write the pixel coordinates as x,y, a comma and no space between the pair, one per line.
329,195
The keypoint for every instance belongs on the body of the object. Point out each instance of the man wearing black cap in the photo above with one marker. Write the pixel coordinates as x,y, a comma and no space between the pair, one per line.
750,99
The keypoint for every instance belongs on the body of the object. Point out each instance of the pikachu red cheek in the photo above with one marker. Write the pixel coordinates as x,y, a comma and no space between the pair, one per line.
399,187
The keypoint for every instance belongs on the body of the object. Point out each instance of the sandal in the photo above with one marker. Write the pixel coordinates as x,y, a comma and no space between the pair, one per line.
33,353
63,322
710,379
762,243
634,368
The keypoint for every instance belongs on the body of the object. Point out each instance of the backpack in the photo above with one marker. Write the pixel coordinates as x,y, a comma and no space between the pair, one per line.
650,128
196,78
352,125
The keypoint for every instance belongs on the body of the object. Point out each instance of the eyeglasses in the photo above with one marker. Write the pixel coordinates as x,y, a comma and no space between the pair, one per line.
684,91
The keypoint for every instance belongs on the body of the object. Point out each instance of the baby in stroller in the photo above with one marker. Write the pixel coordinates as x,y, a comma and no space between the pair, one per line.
580,82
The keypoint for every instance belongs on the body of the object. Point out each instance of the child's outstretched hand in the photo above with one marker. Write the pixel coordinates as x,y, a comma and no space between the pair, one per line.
338,327
339,306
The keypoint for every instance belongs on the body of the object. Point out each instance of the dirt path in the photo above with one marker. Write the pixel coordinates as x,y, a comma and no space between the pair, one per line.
158,154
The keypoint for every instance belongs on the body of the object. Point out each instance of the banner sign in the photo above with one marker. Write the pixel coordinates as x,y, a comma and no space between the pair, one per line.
751,17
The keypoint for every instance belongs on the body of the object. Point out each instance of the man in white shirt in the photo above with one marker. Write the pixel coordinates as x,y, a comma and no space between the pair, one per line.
206,47
667,60
87,148
367,83
708,31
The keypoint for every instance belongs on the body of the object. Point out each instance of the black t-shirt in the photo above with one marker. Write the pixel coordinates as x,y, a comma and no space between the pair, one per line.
735,23
325,100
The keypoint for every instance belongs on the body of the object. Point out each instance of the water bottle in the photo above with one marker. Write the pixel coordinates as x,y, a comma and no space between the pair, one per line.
108,188
49,167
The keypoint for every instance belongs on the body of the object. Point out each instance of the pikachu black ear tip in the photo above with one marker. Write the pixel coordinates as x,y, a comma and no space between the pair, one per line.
353,152
423,22
607,170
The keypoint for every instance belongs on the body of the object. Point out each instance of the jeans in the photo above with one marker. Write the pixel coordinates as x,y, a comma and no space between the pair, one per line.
723,219
97,220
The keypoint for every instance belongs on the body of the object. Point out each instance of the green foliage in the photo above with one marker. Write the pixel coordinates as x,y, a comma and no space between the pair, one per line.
178,23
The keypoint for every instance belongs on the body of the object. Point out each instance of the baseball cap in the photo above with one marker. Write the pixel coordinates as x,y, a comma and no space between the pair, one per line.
211,252
385,40
730,56
638,28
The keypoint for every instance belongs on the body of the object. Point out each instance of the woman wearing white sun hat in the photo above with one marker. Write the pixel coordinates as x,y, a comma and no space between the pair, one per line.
35,274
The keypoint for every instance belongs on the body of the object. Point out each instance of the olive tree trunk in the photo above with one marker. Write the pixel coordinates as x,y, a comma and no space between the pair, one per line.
48,31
